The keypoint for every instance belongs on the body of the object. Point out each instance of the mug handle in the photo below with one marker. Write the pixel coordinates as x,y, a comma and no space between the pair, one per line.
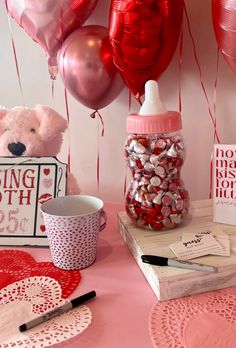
104,216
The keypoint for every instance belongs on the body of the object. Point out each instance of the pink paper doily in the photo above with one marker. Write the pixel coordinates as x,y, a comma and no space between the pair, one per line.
206,320
25,300
16,265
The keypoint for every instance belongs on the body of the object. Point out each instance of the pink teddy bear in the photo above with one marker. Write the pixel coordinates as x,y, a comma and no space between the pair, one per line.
33,132
30,131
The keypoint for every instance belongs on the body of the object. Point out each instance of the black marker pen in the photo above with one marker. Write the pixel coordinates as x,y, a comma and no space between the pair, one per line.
164,261
57,311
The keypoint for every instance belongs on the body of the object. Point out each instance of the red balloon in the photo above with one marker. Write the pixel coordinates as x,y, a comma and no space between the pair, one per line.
49,22
144,36
224,22
86,67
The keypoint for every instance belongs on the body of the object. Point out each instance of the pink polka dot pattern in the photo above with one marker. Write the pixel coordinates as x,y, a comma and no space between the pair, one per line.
73,239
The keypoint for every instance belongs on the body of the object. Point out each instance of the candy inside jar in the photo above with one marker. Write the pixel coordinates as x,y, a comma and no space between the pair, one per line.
154,150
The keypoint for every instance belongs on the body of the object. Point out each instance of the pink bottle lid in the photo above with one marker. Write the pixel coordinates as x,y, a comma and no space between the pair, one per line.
153,116
162,123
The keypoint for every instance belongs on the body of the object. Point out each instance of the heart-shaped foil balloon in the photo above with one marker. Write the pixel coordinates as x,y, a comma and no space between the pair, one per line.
224,22
144,35
49,22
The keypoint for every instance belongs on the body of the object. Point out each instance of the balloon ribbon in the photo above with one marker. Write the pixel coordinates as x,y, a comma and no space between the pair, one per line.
93,115
14,52
200,75
213,117
68,121
66,98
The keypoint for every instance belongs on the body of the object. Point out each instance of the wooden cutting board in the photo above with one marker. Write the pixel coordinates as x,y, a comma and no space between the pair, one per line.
170,282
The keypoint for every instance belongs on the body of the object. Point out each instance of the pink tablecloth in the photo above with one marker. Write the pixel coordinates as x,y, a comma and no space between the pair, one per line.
124,298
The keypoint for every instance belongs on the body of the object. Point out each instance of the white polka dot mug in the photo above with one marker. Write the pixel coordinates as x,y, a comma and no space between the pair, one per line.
72,225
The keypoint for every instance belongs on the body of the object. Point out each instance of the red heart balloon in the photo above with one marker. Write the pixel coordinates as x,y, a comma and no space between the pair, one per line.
224,22
49,22
16,265
144,35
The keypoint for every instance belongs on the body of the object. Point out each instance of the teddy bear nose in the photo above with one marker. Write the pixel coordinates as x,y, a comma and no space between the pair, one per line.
16,149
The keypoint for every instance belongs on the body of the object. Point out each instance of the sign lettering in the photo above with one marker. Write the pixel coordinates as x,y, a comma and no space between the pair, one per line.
25,184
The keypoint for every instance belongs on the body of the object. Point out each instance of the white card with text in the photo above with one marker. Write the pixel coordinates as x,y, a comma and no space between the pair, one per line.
195,247
224,184
221,237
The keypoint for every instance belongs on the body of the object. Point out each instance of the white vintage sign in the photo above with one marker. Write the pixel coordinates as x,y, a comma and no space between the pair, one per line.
26,183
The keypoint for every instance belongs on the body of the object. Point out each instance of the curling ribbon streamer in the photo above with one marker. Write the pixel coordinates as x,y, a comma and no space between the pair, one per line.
215,88
98,161
125,178
14,52
213,117
200,74
214,106
125,181
53,89
68,121
93,115
66,101
180,67
129,101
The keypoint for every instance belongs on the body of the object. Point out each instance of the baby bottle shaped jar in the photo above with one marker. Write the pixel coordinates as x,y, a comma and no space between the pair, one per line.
154,150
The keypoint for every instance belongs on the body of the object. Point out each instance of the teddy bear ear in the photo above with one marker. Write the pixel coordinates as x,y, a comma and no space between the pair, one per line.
3,111
51,123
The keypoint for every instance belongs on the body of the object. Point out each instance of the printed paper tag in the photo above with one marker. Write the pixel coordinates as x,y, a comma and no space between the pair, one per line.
224,184
221,237
195,247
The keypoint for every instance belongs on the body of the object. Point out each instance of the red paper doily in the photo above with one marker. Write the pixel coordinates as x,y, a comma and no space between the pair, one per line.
16,265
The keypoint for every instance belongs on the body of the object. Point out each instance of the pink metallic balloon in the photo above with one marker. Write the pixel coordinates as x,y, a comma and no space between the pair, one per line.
49,22
224,21
86,66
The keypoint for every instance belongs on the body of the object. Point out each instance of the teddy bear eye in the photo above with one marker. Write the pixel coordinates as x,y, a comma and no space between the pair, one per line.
6,129
33,130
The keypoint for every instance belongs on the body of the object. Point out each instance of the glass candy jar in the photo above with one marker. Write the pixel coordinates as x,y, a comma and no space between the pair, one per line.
154,150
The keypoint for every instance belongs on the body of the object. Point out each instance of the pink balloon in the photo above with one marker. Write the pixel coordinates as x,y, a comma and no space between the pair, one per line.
49,22
86,66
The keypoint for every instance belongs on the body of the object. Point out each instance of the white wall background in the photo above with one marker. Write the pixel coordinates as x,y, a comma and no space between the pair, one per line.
84,135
